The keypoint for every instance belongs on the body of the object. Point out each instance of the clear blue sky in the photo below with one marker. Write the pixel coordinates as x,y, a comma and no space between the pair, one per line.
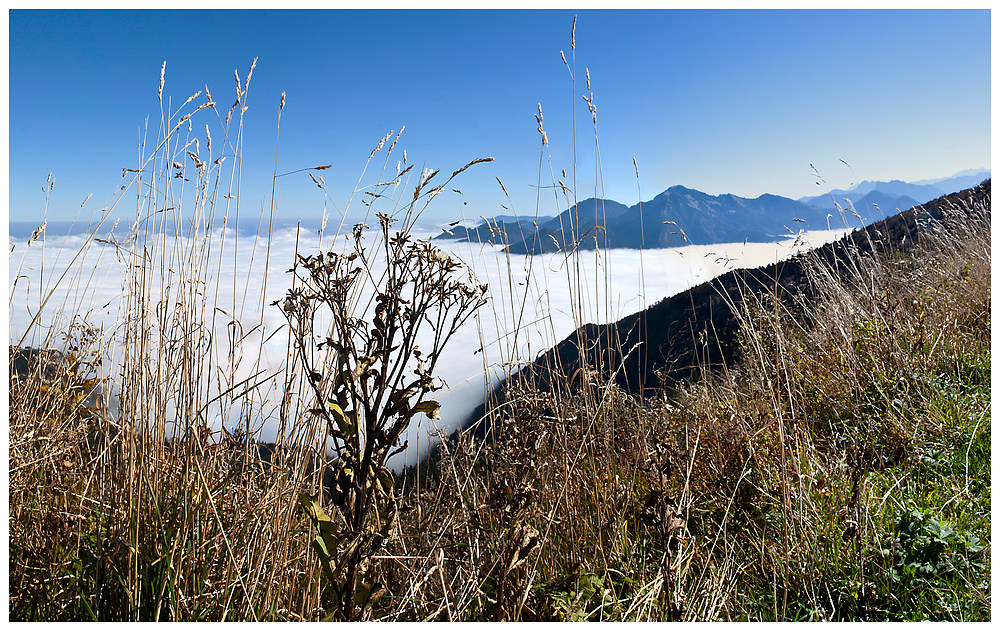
721,101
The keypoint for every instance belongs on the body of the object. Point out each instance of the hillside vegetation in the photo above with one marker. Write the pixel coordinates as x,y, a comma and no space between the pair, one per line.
837,468
836,465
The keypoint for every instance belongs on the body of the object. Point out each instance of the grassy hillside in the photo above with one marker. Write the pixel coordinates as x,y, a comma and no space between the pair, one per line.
836,466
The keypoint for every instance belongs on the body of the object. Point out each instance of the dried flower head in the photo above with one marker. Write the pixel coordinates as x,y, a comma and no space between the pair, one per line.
246,84
541,130
192,97
381,143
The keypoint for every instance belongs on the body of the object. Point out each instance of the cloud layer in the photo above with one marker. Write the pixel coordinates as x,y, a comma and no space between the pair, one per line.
533,303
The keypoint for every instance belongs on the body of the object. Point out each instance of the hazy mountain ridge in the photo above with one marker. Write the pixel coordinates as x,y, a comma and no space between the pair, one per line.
893,190
971,177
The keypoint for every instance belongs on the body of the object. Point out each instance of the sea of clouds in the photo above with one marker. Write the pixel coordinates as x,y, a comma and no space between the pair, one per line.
534,302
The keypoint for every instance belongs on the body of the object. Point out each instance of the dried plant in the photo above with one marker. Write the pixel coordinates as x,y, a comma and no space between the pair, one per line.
370,384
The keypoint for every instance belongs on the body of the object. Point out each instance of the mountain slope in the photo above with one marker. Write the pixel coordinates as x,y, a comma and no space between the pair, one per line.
961,180
878,205
675,338
492,232
590,212
675,332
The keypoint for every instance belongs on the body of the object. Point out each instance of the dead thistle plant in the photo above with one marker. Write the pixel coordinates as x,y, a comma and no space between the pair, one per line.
370,380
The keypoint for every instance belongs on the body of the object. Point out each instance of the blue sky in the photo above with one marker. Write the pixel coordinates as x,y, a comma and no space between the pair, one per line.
722,101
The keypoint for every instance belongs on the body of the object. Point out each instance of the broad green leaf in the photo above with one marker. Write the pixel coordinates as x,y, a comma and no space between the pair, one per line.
321,548
400,395
329,541
342,378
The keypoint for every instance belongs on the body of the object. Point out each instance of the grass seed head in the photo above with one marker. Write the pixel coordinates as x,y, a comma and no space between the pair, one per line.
163,71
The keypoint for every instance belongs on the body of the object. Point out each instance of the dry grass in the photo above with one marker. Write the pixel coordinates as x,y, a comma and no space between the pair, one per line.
835,401
158,515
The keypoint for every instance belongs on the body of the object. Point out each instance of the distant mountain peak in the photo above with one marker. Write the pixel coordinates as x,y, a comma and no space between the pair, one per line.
676,217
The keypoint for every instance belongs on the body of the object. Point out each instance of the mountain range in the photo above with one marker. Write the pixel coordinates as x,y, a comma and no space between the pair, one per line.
680,216
920,191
